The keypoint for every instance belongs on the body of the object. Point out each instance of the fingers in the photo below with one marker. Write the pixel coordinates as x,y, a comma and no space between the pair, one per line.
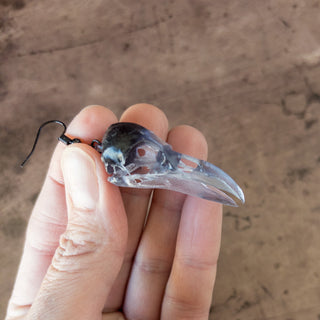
154,257
92,248
49,217
87,273
135,200
189,289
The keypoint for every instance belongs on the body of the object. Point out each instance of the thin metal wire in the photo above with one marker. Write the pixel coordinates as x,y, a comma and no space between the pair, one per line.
61,138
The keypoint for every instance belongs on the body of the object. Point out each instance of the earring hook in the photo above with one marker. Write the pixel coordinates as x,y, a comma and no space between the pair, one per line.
63,138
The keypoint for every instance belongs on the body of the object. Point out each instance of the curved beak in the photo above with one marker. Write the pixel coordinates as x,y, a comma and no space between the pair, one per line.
190,176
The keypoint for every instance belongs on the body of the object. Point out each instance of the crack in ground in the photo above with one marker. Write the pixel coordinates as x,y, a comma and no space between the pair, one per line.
310,96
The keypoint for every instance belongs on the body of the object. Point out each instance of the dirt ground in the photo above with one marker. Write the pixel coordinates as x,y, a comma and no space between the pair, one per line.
246,73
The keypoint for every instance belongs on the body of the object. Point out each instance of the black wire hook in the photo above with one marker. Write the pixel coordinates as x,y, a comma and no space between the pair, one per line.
63,138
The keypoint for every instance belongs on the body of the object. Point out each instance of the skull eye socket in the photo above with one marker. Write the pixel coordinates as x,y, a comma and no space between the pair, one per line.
110,169
141,152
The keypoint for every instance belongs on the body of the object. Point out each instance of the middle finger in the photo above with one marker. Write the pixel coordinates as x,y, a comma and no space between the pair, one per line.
155,254
135,200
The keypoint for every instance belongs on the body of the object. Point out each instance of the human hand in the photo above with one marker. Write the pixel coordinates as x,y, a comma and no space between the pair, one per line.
89,253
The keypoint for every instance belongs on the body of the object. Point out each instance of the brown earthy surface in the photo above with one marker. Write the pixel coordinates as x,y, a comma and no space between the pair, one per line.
246,73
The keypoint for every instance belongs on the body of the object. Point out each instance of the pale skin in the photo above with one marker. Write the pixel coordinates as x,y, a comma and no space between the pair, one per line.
89,254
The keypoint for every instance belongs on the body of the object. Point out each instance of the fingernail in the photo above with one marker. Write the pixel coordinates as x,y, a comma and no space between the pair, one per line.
81,182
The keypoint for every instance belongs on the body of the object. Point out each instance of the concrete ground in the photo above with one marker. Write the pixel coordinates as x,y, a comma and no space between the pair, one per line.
246,73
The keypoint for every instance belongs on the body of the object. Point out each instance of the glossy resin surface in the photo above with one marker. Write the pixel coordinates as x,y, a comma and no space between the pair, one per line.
135,157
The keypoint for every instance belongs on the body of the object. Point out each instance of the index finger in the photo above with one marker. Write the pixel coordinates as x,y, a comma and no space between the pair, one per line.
49,216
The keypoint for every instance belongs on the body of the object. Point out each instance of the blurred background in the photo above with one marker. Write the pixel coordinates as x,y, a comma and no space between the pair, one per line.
245,73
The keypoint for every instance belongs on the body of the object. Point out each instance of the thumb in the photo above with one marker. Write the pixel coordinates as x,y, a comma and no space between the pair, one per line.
91,250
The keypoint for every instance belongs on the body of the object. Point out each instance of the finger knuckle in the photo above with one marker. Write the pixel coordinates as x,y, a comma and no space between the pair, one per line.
197,264
80,242
152,265
74,249
186,308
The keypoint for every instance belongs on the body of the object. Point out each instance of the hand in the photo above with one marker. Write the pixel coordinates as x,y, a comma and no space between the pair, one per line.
88,252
